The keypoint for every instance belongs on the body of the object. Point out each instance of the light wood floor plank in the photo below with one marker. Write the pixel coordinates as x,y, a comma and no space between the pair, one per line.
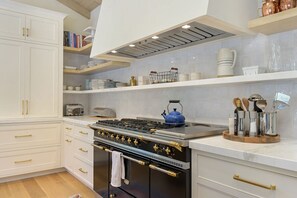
58,185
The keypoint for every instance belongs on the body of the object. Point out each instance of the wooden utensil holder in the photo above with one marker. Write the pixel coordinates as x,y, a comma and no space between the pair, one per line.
246,139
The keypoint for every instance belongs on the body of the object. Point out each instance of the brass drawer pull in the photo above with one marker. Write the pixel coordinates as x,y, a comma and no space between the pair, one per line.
27,107
23,161
23,105
23,136
27,32
170,173
24,31
83,171
270,187
67,128
84,133
68,141
83,150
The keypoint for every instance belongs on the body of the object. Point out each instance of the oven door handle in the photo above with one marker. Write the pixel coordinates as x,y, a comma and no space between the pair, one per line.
168,172
143,163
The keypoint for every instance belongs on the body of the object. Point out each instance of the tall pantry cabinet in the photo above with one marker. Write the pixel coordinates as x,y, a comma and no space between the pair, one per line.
31,78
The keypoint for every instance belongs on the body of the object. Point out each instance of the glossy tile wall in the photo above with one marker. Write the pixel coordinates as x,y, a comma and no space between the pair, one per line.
214,103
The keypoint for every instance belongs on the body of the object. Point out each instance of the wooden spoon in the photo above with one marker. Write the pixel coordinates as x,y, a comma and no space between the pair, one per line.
246,103
234,101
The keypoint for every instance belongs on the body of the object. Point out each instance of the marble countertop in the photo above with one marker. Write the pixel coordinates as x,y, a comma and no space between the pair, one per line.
83,120
280,155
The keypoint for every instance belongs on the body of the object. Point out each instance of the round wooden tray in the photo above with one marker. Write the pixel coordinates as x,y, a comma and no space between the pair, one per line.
260,139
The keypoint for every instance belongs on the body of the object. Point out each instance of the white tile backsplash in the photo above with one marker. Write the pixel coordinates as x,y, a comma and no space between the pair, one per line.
213,103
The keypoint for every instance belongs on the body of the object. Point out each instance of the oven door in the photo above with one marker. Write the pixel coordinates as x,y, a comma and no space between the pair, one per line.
136,183
101,170
167,181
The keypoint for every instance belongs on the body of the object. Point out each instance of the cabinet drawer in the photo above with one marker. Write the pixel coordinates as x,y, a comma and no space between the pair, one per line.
68,152
84,151
218,172
84,133
68,129
83,171
28,161
13,137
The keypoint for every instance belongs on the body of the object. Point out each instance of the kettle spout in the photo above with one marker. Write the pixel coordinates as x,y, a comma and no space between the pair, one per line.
164,114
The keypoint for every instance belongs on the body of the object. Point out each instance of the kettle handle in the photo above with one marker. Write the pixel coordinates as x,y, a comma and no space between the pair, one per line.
175,101
235,56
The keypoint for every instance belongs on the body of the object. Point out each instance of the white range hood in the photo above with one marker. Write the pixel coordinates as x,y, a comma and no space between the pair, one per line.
134,22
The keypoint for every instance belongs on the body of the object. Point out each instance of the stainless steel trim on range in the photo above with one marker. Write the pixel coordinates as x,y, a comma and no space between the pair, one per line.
166,160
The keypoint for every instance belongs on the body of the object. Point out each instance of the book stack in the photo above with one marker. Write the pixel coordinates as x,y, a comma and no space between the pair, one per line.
74,40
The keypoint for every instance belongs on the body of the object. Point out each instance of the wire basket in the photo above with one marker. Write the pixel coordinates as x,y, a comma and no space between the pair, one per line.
164,77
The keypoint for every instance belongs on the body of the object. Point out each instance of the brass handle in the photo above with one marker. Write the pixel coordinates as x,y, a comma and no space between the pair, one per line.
83,150
23,136
68,128
27,107
84,133
23,105
170,173
176,145
270,187
23,161
68,141
24,31
27,32
83,171
99,147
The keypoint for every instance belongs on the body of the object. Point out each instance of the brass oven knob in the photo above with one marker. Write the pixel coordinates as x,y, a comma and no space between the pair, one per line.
155,147
167,150
123,139
135,142
118,137
129,141
111,136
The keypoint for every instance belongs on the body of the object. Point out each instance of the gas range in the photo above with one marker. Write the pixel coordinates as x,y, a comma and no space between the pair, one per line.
153,139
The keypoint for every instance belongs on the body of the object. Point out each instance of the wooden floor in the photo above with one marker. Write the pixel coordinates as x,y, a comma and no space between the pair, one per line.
58,185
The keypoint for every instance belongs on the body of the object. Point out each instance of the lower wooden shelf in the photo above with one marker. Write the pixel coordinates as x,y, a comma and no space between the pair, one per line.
260,139
112,65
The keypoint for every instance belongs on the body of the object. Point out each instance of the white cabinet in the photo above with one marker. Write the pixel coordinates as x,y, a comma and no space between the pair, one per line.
31,28
217,176
78,152
12,79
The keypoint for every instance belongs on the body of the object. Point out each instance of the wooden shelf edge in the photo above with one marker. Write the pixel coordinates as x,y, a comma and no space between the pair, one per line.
83,50
203,82
108,66
275,23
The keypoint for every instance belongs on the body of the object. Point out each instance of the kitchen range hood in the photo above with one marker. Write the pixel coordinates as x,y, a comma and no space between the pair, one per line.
134,29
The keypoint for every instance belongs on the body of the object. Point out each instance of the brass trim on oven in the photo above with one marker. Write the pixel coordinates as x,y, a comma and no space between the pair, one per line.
269,187
168,172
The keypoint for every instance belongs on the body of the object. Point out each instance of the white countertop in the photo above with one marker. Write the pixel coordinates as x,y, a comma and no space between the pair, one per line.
280,155
83,120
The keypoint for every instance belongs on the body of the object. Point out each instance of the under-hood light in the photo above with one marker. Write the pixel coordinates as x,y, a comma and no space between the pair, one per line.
186,26
131,45
113,51
155,37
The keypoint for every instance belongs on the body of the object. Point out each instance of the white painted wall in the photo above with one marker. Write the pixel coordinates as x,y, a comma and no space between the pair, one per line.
74,22
214,103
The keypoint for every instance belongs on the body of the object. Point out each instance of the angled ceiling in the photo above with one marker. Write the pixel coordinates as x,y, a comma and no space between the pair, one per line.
83,7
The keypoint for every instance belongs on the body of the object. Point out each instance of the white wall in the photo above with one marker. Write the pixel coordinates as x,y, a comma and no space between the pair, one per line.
214,103
74,22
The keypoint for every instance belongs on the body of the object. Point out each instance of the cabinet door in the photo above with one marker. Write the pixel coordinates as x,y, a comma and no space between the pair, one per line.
42,30
42,81
11,79
12,25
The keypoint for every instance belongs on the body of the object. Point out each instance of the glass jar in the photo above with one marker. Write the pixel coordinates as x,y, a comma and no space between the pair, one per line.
287,4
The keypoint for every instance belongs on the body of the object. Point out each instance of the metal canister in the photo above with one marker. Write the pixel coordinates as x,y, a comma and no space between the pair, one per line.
287,4
268,124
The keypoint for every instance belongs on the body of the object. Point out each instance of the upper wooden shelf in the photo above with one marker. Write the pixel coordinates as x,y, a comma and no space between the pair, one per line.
86,50
275,23
112,65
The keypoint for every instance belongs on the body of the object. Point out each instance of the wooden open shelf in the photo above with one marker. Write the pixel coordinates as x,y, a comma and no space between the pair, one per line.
261,139
86,50
112,65
275,23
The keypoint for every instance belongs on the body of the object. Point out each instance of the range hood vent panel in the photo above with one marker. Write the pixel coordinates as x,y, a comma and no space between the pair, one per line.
172,40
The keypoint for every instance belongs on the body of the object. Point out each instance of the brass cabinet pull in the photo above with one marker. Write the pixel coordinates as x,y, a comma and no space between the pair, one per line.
23,161
68,128
83,171
83,150
84,133
24,31
27,32
23,136
27,107
68,141
270,187
170,173
23,105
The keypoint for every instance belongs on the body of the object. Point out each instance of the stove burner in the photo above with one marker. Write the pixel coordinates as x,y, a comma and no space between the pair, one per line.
145,126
